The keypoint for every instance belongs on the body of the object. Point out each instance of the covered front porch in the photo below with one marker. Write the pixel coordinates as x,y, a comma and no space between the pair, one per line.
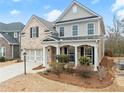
74,51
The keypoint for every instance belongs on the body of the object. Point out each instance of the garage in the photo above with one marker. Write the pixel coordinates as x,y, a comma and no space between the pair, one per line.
34,56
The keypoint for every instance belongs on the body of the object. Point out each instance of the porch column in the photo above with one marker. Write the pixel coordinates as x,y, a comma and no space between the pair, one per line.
44,56
96,58
57,51
76,56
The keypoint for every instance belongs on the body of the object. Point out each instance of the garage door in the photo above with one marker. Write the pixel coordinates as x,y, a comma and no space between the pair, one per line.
34,56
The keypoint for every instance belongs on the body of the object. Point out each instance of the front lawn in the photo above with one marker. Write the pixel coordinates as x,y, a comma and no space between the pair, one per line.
36,83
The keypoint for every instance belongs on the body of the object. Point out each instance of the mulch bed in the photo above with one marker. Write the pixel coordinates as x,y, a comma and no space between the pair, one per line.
38,68
92,82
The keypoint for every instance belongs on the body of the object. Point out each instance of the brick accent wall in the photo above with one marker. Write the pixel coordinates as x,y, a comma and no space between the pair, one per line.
8,49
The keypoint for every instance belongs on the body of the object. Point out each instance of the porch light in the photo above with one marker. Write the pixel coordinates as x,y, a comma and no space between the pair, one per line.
61,39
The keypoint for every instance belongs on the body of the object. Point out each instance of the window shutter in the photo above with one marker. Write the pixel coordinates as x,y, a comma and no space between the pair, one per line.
82,51
31,32
37,31
93,56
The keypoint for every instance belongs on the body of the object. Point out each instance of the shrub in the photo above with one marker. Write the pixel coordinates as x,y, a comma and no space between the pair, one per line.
57,68
45,72
84,60
84,69
2,59
69,68
108,53
8,59
62,58
85,74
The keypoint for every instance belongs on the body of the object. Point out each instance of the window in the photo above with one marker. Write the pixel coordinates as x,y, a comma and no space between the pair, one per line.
65,50
90,29
61,31
75,30
34,32
2,51
15,35
74,9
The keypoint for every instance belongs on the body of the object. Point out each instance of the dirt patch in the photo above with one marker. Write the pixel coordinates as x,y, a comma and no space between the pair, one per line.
92,82
3,64
36,83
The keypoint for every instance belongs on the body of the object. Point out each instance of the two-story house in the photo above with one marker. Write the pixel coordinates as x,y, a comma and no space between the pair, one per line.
9,39
77,32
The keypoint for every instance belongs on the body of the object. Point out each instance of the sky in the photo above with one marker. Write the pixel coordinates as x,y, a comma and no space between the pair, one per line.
22,10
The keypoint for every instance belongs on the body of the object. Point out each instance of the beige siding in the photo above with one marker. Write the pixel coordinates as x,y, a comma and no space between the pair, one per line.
82,28
33,43
80,14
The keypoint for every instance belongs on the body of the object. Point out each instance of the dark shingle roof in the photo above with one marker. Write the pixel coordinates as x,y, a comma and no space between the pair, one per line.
11,27
10,38
77,19
75,38
48,24
81,37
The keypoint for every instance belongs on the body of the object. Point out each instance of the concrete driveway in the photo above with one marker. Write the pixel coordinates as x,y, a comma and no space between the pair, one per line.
14,70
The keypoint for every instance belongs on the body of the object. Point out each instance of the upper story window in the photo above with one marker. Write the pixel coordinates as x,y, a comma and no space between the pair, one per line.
15,35
90,28
61,31
34,32
75,9
75,30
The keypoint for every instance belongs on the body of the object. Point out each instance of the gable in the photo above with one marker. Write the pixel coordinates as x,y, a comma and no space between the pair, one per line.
49,38
8,38
3,42
82,12
33,22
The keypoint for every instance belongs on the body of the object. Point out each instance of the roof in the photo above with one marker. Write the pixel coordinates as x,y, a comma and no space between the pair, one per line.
48,24
72,38
11,27
10,39
80,38
78,19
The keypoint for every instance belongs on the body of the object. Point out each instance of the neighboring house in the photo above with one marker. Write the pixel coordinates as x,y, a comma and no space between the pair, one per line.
77,32
9,39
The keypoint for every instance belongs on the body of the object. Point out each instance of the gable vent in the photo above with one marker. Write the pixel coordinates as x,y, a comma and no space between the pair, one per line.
75,9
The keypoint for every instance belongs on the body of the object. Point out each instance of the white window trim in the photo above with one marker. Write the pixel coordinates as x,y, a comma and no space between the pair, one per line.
77,30
74,9
87,28
34,31
59,31
15,35
3,49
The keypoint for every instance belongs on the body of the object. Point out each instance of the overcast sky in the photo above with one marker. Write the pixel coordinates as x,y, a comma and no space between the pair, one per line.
22,10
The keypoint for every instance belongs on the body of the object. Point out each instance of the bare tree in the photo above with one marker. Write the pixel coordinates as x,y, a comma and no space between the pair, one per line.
115,34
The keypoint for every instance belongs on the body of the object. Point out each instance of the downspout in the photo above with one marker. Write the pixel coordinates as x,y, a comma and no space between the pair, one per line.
12,52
